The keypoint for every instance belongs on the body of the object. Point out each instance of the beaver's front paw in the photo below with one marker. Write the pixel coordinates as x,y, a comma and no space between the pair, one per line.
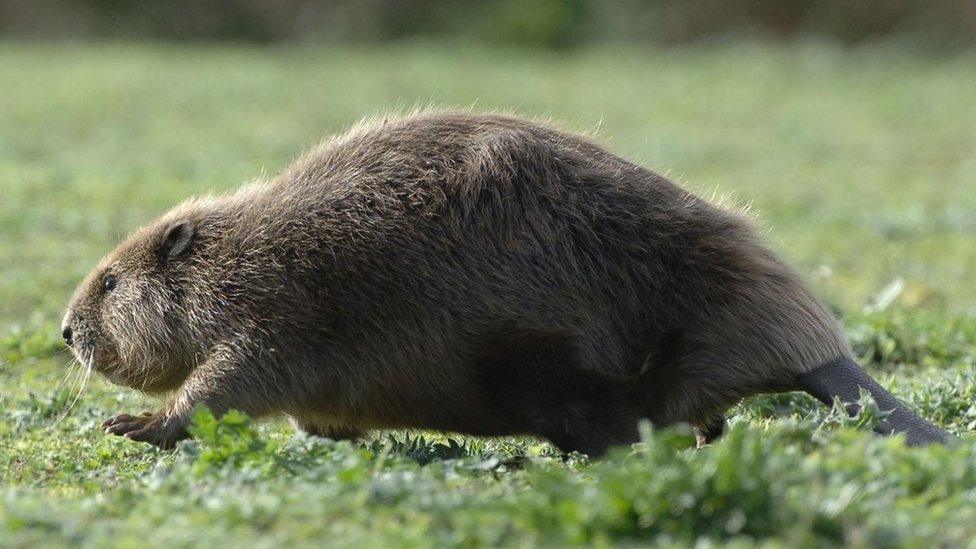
157,429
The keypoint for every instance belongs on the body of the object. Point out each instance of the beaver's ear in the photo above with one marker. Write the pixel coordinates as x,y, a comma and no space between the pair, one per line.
178,240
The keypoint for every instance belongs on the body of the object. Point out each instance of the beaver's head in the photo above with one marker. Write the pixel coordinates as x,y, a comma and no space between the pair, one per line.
136,318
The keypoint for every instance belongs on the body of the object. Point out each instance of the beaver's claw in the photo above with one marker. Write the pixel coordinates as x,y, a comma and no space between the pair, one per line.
156,429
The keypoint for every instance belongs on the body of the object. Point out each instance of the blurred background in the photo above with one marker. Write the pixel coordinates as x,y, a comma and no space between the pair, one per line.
536,23
848,126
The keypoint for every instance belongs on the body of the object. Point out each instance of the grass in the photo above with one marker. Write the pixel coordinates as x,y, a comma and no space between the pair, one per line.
860,165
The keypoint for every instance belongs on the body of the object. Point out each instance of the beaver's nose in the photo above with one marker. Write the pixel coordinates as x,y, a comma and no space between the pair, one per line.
66,334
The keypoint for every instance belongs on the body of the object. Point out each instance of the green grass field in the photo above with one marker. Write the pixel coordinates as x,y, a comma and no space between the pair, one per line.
860,165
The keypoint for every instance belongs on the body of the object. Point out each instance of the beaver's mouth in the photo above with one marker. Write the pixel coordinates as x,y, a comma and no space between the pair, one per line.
105,360
95,358
84,354
116,373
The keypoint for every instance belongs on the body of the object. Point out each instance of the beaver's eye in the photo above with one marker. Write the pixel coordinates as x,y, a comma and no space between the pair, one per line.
109,282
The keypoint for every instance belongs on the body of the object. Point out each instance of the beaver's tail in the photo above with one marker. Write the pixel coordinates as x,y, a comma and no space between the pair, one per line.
843,378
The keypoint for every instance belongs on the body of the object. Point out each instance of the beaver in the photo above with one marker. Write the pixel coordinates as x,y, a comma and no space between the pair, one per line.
465,272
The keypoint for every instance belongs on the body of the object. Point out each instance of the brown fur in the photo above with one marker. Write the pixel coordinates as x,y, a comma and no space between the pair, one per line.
465,272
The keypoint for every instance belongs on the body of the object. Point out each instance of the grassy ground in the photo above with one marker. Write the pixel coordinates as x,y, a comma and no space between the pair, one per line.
861,165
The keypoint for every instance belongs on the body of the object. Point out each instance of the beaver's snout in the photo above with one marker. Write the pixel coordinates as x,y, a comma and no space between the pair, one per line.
68,328
75,331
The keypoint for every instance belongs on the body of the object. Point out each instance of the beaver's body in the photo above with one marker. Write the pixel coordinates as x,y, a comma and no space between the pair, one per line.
453,271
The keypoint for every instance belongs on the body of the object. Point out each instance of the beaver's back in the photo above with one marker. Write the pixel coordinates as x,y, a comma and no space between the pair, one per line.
498,214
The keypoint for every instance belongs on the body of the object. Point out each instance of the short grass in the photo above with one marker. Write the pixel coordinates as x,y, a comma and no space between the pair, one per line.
860,164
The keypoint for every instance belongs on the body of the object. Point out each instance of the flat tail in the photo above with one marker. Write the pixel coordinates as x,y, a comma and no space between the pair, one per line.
843,378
